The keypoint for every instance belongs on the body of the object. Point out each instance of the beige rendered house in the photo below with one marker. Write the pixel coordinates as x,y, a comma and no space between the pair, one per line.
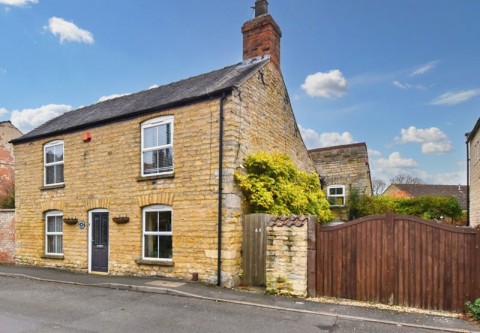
473,165
144,184
343,168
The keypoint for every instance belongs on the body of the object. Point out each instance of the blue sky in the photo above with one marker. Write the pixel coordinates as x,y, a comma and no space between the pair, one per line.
402,76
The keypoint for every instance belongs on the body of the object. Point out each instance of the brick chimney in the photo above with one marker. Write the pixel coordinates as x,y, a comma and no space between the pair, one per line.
261,35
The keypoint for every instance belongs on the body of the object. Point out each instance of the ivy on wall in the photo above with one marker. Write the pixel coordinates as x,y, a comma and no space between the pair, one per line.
271,183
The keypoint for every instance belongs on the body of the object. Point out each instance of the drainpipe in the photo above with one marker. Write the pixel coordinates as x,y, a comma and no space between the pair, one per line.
468,180
220,191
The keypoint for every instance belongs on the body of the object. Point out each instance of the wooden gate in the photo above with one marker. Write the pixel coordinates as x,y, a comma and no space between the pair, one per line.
255,249
399,260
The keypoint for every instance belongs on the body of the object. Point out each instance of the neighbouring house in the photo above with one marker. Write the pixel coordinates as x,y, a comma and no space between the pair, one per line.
144,184
459,192
8,132
343,168
7,168
473,165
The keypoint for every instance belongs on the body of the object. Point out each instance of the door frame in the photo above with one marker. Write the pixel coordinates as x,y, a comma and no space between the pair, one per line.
89,241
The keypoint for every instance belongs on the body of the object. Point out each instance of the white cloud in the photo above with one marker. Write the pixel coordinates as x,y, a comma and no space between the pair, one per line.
327,85
433,140
373,152
452,98
27,119
400,85
425,68
314,140
68,31
3,111
395,161
17,3
106,98
3,71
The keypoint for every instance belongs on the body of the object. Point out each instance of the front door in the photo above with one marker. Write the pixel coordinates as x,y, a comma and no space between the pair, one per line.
99,242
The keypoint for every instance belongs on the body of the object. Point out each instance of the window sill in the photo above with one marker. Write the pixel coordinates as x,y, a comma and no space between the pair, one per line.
52,187
165,262
53,256
155,177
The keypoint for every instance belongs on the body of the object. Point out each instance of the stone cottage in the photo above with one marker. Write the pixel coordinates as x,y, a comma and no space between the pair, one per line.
144,184
343,168
473,165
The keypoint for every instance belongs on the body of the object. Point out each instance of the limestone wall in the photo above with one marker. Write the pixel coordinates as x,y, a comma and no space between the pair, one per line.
475,180
287,256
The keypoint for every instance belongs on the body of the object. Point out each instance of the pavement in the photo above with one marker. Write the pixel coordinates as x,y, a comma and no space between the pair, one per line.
442,322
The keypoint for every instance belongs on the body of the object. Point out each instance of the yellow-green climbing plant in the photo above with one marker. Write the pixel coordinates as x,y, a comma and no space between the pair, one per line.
273,184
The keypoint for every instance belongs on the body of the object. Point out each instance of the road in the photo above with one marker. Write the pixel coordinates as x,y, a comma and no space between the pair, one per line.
34,306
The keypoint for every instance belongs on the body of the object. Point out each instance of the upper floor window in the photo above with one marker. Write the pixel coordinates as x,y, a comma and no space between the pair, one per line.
157,146
336,195
157,232
54,232
53,162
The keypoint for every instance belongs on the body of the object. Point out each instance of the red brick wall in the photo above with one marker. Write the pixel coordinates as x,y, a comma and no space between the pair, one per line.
261,36
7,236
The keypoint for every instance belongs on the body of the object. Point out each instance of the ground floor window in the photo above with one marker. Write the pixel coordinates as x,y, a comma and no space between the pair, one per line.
157,232
54,232
336,195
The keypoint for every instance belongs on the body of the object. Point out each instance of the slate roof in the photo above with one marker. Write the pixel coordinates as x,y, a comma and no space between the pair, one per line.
133,105
421,190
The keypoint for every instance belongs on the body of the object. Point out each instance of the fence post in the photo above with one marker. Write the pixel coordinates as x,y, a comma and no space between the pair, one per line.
312,257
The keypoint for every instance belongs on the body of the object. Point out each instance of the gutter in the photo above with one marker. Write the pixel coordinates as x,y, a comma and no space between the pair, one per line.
220,190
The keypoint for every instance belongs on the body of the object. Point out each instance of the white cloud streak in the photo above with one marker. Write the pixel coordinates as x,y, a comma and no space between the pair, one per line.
27,119
3,111
433,140
313,139
67,31
425,68
405,86
452,98
17,3
106,98
326,85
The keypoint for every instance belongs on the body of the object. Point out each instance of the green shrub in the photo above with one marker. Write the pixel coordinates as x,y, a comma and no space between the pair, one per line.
428,207
474,308
273,184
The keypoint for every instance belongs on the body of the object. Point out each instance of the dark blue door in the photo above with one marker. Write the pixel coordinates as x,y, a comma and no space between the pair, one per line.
100,242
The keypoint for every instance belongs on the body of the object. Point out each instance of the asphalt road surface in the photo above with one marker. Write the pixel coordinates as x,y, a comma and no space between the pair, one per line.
32,306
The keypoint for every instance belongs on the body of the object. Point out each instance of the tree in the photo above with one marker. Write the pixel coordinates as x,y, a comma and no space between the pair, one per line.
404,178
7,194
273,184
378,186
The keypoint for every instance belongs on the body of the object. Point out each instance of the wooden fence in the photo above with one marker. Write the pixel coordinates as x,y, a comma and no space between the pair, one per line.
398,260
255,249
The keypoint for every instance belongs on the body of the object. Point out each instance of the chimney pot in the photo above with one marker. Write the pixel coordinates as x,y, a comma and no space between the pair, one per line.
261,7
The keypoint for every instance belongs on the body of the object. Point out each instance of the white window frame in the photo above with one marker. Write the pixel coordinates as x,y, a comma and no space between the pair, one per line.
336,195
45,164
52,213
153,123
156,208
